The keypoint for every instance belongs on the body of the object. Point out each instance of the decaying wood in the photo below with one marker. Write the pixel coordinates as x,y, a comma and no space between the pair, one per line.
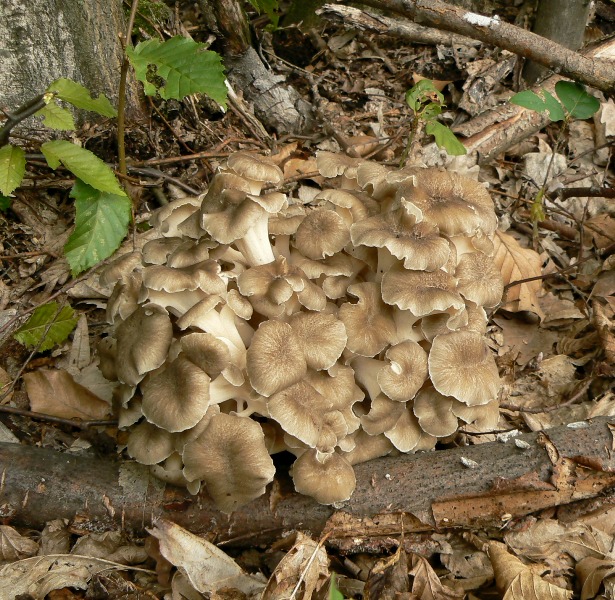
464,487
401,29
434,13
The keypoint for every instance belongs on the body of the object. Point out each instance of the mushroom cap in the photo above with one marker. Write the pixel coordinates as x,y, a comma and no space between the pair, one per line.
405,372
275,359
231,457
177,397
382,416
406,434
461,365
435,413
369,323
480,419
207,352
322,337
168,218
419,245
454,203
120,267
300,410
204,276
421,292
124,298
367,447
156,251
190,252
143,341
321,233
332,164
326,477
149,444
479,280
254,167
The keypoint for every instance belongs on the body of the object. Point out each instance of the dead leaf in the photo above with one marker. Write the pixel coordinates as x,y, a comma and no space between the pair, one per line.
5,382
426,584
388,578
14,546
517,581
55,392
301,573
206,566
39,575
79,355
593,573
517,263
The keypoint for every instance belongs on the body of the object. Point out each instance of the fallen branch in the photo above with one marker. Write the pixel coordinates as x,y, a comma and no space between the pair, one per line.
462,487
435,13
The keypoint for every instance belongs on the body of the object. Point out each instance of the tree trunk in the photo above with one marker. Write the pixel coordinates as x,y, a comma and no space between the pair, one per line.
277,105
43,40
562,21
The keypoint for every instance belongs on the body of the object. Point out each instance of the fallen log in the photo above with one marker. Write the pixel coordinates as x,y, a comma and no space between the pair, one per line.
466,487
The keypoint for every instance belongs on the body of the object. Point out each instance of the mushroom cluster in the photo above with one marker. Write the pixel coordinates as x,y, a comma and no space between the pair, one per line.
339,329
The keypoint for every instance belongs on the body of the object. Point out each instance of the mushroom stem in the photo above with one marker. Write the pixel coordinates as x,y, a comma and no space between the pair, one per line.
255,245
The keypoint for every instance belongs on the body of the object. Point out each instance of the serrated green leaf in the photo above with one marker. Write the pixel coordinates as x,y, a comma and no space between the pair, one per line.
445,138
57,117
556,111
82,163
578,102
79,96
47,327
5,202
12,168
183,65
529,99
101,223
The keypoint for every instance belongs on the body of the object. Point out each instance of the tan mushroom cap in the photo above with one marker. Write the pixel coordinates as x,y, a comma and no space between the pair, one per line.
406,434
421,292
207,352
149,444
321,233
479,419
168,218
479,280
124,299
231,457
322,337
204,276
382,416
120,268
300,410
367,447
454,203
332,164
255,168
461,365
419,245
143,341
435,413
275,359
177,397
326,477
405,372
369,323
356,206
190,252
156,252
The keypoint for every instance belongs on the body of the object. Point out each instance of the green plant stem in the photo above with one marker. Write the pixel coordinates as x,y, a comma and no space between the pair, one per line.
121,101
23,112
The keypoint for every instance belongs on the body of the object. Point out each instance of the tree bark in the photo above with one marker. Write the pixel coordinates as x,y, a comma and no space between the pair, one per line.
561,22
43,40
435,13
466,487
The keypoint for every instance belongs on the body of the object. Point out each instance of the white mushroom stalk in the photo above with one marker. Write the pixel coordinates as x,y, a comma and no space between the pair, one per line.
353,327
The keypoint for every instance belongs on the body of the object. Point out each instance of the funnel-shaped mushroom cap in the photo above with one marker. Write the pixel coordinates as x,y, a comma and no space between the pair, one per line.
143,341
231,457
275,358
461,365
405,371
328,478
255,168
321,233
435,413
149,444
322,337
454,203
479,280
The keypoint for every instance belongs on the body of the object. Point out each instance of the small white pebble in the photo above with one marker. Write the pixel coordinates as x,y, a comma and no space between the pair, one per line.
388,476
507,435
522,444
468,462
481,20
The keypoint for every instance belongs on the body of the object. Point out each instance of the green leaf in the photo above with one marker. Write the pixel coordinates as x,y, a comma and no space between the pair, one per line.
5,202
445,138
47,327
529,100
77,95
556,111
57,117
12,168
424,90
101,223
334,592
183,65
269,7
577,101
82,163
431,111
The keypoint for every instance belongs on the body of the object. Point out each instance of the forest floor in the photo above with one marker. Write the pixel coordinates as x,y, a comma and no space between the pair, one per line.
553,337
